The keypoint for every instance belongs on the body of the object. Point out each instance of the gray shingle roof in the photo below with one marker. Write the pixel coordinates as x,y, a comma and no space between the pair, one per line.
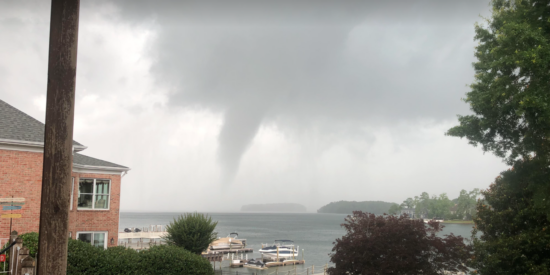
16,125
86,160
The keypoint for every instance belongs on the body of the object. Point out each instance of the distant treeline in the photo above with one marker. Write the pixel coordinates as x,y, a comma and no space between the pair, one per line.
274,207
347,207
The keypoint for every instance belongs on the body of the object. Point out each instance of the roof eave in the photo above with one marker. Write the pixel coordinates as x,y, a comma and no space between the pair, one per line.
77,148
93,167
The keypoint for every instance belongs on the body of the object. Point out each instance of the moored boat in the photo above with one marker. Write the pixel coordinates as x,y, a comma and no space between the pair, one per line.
281,249
229,242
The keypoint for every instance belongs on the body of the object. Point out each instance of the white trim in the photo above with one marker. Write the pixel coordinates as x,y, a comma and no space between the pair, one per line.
92,232
29,146
72,195
90,169
24,148
94,194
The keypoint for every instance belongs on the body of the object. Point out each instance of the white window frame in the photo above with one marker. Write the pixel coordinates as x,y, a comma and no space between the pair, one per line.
93,232
94,194
72,195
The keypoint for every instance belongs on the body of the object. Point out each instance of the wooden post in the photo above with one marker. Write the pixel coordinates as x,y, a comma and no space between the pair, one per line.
58,138
28,266
22,255
14,251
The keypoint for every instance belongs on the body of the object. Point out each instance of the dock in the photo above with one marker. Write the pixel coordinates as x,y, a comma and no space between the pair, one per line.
241,263
235,251
285,263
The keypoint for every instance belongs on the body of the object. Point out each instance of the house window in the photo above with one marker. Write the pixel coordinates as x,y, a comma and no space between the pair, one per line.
98,239
93,194
72,194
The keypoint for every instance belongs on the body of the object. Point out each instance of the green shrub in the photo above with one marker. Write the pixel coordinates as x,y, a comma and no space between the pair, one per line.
122,260
83,259
30,241
192,231
164,259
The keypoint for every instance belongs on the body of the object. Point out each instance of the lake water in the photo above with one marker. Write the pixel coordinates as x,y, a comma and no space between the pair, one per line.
313,232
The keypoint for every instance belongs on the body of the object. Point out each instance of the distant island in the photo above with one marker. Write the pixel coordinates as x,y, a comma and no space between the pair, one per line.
274,207
347,207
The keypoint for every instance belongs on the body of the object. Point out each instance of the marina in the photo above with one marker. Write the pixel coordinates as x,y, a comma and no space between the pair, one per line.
313,232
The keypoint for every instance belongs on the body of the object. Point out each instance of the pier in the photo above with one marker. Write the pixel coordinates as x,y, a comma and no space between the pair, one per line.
233,251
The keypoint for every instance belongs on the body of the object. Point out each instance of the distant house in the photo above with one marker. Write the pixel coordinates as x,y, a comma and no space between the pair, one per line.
453,209
95,188
409,212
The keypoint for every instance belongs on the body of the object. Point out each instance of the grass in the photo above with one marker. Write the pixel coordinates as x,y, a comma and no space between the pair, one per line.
459,221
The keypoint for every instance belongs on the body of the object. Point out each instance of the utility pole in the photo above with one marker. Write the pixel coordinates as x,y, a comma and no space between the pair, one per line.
58,138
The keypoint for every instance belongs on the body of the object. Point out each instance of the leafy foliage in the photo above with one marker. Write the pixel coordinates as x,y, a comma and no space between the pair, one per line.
83,258
434,207
466,204
173,260
395,245
192,231
30,241
510,97
347,207
515,231
395,209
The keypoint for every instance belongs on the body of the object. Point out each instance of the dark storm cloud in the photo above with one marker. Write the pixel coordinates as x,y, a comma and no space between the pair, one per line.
370,62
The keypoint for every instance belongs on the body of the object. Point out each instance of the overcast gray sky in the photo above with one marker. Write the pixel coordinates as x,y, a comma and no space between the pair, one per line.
218,104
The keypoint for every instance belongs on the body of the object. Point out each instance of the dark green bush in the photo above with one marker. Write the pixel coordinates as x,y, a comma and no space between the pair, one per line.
83,259
192,231
166,259
30,241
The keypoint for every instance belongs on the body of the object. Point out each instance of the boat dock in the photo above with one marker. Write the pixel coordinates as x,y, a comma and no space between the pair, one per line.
241,263
233,251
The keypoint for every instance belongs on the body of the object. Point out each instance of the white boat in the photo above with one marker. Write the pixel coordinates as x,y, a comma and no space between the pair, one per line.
281,249
434,219
229,242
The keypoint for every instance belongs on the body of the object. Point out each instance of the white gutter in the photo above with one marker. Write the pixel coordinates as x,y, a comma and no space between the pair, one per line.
77,148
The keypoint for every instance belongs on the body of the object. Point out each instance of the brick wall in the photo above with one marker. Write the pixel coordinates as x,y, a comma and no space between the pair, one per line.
96,220
21,177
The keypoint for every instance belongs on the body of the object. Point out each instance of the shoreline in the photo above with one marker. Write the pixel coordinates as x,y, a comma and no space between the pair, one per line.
459,222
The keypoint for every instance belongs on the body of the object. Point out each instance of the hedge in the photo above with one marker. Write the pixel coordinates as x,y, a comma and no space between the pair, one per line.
83,258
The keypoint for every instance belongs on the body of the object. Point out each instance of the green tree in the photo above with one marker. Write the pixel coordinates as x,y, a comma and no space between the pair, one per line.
466,204
441,206
422,204
510,96
395,209
510,101
408,203
192,231
515,232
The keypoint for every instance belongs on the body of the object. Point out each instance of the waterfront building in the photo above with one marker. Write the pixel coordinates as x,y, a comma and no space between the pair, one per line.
409,212
95,187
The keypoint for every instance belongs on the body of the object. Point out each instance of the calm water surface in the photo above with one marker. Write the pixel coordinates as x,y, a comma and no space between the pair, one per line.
313,232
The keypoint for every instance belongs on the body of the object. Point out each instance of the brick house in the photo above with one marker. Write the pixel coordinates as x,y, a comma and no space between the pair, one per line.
95,189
